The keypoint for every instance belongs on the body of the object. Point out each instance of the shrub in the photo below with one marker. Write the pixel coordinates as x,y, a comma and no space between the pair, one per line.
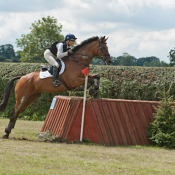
162,129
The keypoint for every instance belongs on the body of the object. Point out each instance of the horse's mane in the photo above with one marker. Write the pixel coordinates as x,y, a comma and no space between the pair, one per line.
83,43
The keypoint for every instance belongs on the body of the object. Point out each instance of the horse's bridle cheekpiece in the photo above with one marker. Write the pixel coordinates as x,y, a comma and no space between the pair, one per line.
103,55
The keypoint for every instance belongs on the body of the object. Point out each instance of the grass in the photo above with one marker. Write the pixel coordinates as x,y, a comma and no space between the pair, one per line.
25,154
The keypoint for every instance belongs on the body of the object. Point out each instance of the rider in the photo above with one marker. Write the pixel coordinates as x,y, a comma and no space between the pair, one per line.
56,51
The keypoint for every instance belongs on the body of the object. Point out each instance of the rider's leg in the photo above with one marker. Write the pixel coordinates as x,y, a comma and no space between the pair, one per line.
51,60
55,76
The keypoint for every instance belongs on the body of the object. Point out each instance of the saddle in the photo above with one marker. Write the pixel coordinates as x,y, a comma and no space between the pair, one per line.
50,68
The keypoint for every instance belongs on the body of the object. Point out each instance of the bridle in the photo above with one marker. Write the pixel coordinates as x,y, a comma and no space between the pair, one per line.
103,56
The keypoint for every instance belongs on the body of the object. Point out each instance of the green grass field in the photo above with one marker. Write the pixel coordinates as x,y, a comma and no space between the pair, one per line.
25,154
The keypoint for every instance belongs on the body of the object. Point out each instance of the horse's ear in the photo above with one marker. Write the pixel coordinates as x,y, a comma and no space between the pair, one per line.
106,38
102,39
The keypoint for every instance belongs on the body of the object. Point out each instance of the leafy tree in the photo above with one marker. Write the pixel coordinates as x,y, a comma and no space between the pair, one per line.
128,60
172,57
2,58
155,64
164,64
141,61
43,33
152,58
16,59
116,61
96,61
7,51
146,64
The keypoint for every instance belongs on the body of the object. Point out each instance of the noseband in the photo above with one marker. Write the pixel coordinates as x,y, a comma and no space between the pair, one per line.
103,56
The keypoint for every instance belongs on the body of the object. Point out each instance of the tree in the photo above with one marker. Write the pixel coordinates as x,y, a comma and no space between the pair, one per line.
141,61
43,33
164,64
7,51
128,60
162,128
96,61
146,64
155,64
116,61
172,57
2,58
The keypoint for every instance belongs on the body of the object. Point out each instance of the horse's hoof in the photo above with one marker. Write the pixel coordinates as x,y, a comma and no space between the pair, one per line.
5,136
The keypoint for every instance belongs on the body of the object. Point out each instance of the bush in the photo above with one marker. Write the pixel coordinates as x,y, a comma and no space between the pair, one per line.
162,128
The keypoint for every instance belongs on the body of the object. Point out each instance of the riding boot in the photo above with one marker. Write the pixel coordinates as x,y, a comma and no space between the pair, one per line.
55,77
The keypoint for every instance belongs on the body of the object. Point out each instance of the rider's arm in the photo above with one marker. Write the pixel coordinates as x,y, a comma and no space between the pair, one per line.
60,53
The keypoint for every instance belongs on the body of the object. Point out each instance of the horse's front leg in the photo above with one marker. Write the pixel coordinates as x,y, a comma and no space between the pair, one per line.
97,77
92,92
89,84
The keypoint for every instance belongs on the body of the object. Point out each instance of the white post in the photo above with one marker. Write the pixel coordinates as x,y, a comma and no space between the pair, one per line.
84,102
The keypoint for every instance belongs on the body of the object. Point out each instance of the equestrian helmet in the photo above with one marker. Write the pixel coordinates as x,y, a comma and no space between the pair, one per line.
70,37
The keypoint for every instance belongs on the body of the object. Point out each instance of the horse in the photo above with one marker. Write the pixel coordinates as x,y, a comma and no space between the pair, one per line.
30,86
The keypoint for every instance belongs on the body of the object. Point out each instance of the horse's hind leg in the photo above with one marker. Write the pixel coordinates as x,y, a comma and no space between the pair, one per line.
21,104
10,125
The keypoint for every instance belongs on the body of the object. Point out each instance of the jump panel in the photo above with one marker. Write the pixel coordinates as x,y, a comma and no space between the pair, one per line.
109,122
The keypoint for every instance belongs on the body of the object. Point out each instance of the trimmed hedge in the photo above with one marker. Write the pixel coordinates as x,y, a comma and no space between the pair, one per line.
134,83
117,82
36,111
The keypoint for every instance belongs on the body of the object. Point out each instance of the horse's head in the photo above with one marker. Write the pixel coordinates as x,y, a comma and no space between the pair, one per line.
103,53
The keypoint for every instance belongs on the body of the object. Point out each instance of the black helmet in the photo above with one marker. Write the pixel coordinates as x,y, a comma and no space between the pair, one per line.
70,37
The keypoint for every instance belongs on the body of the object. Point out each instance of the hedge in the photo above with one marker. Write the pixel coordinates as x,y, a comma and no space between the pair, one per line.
117,82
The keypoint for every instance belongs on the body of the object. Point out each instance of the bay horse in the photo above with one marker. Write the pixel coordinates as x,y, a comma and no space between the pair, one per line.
30,86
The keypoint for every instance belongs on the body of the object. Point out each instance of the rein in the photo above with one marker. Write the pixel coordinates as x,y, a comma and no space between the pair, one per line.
67,58
83,55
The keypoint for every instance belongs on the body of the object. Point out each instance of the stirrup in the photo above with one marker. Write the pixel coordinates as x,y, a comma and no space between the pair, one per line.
56,83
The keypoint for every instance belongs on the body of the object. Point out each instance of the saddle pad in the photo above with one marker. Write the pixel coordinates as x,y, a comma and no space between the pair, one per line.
46,74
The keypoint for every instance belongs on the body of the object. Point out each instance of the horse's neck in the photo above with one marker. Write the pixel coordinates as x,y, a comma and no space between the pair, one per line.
87,54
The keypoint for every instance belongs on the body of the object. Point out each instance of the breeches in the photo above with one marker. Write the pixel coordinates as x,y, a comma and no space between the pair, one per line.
50,58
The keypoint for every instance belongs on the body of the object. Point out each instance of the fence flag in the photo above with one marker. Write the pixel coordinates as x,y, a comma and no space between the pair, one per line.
85,71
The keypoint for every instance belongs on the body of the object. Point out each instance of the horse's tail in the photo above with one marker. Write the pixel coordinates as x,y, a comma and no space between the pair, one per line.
6,95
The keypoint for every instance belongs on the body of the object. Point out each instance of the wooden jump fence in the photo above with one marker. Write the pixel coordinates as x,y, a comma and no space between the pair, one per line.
108,122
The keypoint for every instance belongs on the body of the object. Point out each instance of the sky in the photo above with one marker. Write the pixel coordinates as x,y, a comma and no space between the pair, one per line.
141,28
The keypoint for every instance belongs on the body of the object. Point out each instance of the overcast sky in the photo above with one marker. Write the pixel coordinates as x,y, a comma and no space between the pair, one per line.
141,28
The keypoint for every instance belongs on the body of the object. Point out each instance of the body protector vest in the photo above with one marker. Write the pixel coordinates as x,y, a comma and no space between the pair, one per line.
53,47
